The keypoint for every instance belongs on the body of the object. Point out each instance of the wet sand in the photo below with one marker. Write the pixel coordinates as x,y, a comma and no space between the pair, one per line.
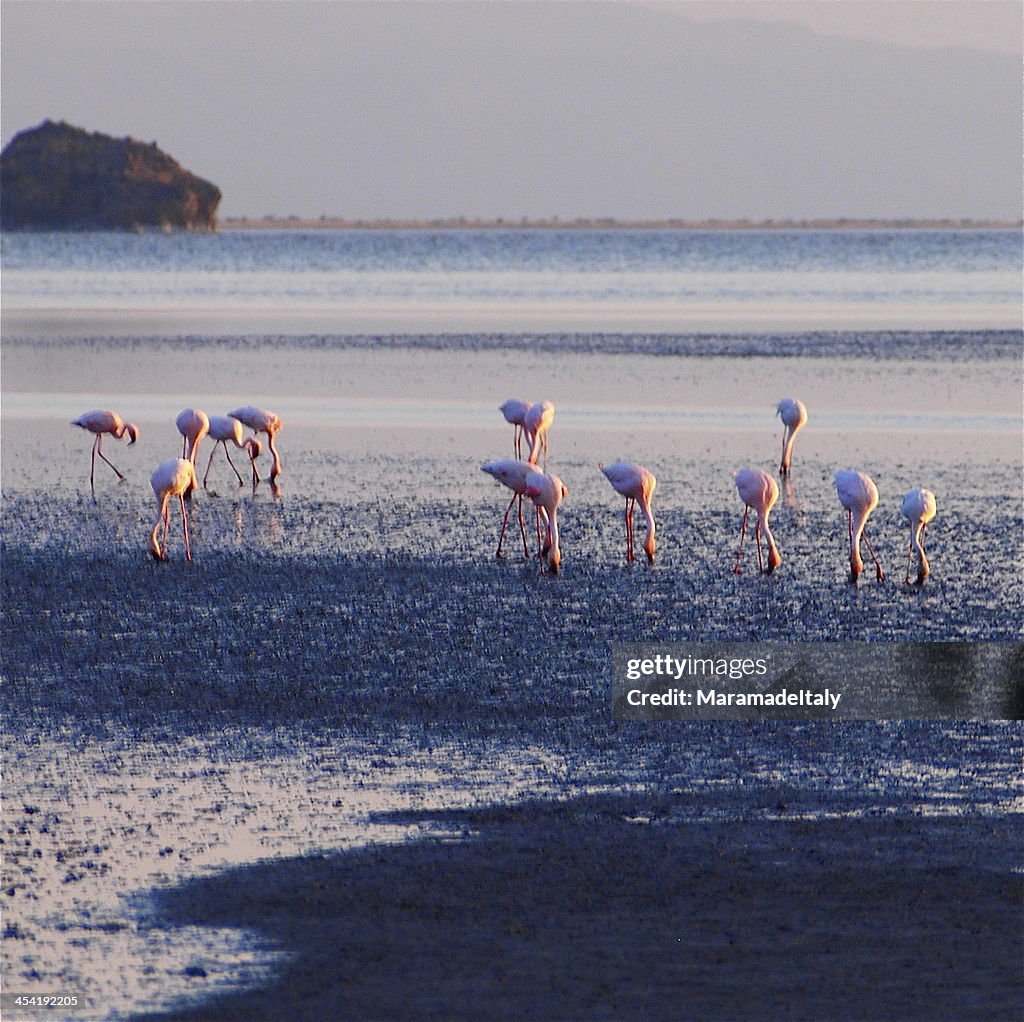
371,771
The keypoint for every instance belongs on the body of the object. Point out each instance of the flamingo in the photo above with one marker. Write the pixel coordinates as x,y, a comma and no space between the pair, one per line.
759,491
224,428
919,510
636,484
858,494
515,411
100,422
193,425
546,492
259,420
513,474
174,478
536,423
794,417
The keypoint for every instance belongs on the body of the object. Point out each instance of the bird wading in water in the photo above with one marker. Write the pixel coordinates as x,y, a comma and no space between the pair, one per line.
859,495
758,490
637,485
100,422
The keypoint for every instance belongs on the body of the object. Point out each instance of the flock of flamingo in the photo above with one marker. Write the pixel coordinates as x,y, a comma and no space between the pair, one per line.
757,489
525,478
177,477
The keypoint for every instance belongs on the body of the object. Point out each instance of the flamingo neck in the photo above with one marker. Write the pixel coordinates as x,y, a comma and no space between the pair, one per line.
915,537
774,557
645,507
856,563
555,555
161,507
275,470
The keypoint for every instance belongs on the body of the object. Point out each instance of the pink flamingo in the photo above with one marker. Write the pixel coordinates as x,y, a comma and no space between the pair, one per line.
515,411
259,420
919,510
794,417
193,425
859,495
513,474
759,491
536,423
547,492
636,484
174,478
100,422
224,428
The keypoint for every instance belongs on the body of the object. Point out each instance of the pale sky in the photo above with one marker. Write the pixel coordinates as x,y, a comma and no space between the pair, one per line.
643,109
991,25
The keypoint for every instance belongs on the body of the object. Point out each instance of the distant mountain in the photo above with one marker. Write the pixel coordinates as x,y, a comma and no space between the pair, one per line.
59,177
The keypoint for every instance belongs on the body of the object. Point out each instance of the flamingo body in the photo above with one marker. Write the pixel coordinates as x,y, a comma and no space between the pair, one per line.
515,411
193,424
919,509
225,428
859,495
536,423
174,478
760,491
794,417
547,492
100,422
637,485
512,474
259,420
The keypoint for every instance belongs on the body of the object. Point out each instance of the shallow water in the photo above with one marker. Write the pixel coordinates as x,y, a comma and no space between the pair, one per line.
346,668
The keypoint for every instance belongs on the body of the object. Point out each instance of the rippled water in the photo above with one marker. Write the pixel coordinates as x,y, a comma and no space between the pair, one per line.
324,268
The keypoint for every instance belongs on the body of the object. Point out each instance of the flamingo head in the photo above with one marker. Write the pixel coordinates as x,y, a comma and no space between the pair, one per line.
856,566
649,549
774,560
555,560
254,448
132,431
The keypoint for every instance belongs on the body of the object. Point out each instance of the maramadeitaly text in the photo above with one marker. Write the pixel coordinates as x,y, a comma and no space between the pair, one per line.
712,697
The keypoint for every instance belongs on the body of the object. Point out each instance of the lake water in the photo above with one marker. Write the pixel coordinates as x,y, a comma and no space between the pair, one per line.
526,280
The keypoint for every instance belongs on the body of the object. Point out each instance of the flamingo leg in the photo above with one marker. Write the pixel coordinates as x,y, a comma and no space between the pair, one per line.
629,538
504,524
540,541
92,469
209,463
879,574
739,553
184,527
517,440
522,528
99,451
782,464
227,454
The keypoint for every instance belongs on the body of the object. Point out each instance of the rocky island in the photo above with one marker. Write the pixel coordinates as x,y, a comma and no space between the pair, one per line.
61,178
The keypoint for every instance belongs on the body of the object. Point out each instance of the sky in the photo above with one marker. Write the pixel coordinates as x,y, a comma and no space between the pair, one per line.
646,109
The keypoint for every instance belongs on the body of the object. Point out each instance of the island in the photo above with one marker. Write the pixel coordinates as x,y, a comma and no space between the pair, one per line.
56,177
